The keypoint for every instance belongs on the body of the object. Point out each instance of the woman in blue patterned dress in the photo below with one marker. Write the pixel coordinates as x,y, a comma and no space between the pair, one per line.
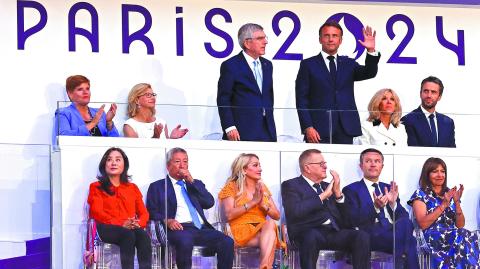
439,214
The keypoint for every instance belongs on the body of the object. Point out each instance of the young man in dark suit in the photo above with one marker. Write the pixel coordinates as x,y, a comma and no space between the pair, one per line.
245,90
324,88
185,199
313,210
374,207
425,127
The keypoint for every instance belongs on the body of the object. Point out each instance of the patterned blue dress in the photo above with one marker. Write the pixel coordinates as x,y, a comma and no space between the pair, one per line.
452,247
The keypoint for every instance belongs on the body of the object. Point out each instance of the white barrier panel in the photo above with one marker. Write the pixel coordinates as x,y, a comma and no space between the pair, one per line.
75,167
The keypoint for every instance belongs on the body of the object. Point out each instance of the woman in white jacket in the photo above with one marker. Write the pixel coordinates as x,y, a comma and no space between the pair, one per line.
383,126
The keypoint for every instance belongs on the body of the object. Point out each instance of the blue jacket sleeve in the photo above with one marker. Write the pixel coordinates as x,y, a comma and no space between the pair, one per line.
67,124
224,96
302,88
198,190
155,203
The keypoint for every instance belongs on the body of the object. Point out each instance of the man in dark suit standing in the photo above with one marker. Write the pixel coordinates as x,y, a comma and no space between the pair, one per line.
187,226
245,90
425,127
324,88
313,212
370,207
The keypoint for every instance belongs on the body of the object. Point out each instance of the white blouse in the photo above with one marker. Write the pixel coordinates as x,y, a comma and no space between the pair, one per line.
145,129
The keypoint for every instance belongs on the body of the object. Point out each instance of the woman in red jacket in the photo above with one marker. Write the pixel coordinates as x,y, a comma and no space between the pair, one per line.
117,207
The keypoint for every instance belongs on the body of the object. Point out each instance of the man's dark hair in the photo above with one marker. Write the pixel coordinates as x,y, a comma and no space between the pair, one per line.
433,80
331,23
370,150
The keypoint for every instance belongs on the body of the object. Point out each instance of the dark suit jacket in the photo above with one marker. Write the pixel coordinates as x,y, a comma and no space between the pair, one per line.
303,208
157,195
419,133
360,210
316,93
240,102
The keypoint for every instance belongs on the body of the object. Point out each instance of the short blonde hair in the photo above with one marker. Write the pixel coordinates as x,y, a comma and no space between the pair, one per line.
133,96
238,175
374,107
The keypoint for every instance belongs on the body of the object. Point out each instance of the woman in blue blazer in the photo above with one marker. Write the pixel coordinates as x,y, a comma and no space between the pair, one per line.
80,120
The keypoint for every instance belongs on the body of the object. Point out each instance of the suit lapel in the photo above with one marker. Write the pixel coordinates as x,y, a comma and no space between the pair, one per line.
424,126
306,187
266,71
172,199
245,68
340,64
322,68
364,194
383,131
440,126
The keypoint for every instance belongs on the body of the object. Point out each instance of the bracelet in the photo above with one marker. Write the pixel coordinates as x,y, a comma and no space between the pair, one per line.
245,206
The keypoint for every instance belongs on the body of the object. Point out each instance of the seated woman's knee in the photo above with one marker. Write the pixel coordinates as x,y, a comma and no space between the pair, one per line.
270,225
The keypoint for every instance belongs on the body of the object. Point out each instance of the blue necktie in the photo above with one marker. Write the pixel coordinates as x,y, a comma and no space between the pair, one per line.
258,75
332,67
433,127
332,220
381,215
191,208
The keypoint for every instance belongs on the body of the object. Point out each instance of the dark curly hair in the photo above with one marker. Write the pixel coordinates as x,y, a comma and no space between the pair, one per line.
104,179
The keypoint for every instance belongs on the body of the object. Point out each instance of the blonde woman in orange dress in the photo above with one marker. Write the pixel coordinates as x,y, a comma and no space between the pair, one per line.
247,202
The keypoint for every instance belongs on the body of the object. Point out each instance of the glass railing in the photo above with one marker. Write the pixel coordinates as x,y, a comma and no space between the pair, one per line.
79,163
287,125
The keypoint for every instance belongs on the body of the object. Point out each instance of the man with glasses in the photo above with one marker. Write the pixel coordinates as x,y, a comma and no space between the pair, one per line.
245,90
373,206
313,210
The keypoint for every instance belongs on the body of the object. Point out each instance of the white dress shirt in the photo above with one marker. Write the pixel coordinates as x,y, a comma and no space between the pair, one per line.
183,214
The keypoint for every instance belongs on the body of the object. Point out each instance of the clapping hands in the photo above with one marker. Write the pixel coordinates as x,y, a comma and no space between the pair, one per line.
454,193
333,187
177,132
258,194
389,196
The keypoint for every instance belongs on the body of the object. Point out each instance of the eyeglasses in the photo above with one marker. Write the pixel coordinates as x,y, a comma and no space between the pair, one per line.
149,95
260,38
320,163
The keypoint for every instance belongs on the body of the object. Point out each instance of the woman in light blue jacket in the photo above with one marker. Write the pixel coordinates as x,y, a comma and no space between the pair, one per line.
80,120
